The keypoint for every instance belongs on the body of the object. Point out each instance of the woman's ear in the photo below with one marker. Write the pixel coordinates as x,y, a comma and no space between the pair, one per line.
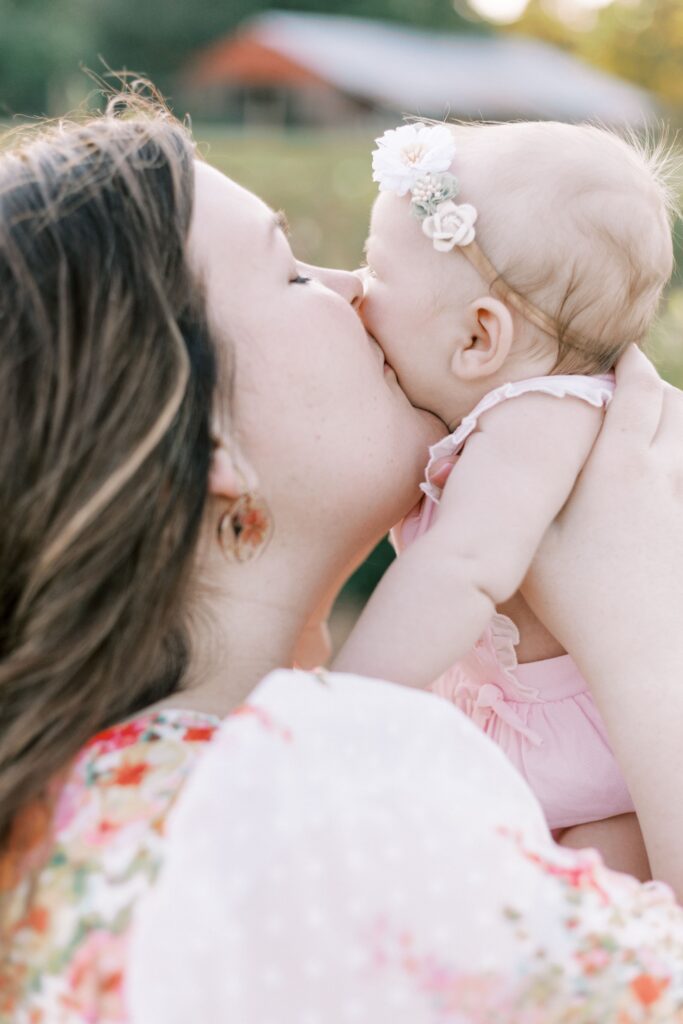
230,474
225,480
485,341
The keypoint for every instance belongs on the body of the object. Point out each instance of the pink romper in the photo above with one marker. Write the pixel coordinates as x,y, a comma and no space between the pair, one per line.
541,714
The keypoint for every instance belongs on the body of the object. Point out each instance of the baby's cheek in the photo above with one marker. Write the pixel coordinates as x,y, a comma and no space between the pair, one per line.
391,316
408,344
398,323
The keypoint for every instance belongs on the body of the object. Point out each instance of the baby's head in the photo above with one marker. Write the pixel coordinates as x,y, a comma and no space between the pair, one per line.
572,250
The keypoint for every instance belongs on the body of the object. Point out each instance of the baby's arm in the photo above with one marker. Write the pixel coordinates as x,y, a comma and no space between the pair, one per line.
433,603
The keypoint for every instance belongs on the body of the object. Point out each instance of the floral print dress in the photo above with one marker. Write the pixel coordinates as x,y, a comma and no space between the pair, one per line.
353,852
344,851
70,900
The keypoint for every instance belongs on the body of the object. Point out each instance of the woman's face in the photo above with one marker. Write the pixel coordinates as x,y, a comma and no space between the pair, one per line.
333,440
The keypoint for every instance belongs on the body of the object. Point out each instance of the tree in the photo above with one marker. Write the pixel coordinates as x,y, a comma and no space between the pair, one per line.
641,41
40,52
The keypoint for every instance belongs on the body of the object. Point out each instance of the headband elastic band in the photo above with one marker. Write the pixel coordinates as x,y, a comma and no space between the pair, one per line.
416,159
499,287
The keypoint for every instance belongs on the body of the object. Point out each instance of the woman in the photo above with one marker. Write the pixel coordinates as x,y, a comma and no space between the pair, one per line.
199,442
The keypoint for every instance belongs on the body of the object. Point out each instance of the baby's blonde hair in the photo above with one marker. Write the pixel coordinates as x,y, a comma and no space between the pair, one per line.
578,220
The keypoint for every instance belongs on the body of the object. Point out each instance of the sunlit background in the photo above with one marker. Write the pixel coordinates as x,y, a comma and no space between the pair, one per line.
288,96
504,12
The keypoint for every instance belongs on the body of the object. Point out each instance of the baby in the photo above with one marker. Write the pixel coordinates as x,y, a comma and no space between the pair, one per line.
508,266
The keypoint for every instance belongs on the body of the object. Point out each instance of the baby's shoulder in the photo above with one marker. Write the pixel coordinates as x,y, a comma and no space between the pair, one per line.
537,398
537,414
534,421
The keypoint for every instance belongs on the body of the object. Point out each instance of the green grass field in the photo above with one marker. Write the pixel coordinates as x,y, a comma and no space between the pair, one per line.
322,182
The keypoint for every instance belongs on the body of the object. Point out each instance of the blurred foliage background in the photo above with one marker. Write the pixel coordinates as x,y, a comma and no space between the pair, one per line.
322,179
43,42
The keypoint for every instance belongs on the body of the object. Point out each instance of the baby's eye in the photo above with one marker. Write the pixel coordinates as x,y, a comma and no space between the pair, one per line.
299,279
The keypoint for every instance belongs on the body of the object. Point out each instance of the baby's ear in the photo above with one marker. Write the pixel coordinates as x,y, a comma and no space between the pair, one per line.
486,335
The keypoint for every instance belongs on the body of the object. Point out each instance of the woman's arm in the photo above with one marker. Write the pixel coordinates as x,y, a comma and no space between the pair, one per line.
617,549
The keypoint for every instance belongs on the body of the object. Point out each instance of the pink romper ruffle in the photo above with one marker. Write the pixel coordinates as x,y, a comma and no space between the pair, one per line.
541,714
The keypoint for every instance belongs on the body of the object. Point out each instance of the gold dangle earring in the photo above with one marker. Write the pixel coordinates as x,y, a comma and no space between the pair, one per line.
245,528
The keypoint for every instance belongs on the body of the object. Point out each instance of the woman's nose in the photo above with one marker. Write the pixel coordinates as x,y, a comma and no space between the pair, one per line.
343,282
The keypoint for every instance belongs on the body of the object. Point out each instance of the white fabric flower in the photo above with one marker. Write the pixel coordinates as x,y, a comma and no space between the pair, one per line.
406,154
451,225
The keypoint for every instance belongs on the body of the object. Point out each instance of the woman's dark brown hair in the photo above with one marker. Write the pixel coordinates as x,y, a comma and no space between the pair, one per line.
107,375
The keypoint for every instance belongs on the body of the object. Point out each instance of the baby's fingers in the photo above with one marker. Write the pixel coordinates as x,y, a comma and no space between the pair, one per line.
669,437
635,411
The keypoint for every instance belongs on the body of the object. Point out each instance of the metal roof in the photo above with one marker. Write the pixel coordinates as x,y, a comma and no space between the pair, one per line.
435,73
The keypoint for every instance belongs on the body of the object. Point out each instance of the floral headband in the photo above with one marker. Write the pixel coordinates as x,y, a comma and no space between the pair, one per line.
417,158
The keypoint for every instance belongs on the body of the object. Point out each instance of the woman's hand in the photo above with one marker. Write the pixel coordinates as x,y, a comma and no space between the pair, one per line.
608,582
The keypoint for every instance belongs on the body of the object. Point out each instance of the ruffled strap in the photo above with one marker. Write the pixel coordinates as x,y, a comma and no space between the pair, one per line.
483,684
496,647
597,391
505,637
